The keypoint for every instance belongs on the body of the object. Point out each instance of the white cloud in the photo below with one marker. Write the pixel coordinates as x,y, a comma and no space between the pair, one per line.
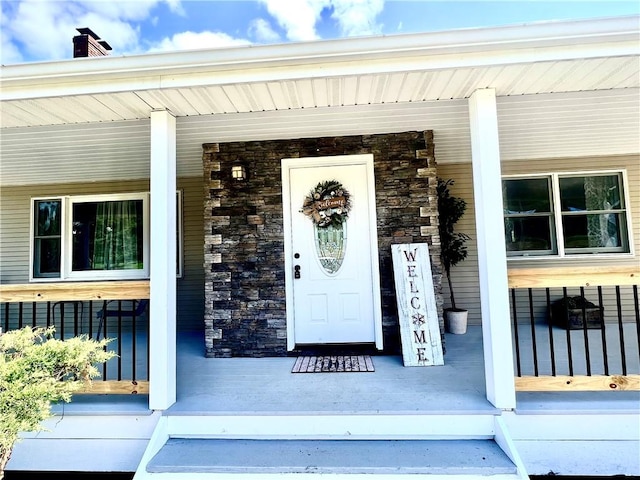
357,17
43,29
9,53
194,41
298,18
261,30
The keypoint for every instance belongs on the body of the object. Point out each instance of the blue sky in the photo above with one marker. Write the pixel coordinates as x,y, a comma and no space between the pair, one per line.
41,30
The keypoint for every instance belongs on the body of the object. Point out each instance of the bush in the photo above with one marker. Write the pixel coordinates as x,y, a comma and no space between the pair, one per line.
35,370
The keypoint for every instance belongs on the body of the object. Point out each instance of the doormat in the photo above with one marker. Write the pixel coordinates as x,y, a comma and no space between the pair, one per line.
333,363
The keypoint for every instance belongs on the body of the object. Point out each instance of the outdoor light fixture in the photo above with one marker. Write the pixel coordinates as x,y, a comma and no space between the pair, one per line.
238,173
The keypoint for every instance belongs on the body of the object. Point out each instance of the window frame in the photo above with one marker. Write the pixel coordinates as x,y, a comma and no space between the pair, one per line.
66,236
558,238
550,215
84,275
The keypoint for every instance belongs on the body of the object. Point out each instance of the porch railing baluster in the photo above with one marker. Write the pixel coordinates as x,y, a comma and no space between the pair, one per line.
90,326
515,332
133,346
20,314
104,335
637,310
585,334
148,329
568,332
6,317
534,345
603,334
120,339
552,351
75,319
61,320
623,355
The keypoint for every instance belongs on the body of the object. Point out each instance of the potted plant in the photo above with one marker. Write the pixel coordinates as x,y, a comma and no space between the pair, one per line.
453,249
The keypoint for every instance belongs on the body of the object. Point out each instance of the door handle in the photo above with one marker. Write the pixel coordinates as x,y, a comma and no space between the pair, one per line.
296,271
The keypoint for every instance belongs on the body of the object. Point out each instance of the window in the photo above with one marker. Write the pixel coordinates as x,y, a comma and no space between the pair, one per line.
94,237
565,214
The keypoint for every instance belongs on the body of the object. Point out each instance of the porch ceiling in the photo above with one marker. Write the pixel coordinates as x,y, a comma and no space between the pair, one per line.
308,93
558,85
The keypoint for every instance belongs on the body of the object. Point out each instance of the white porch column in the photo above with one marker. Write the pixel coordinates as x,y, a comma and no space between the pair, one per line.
162,375
492,257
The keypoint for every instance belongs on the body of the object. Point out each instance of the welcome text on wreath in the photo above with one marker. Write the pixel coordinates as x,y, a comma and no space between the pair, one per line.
339,202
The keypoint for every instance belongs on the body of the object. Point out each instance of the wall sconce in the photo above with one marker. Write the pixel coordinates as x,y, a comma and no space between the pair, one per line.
239,173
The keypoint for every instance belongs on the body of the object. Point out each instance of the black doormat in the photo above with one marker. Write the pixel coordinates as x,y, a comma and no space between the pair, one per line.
333,363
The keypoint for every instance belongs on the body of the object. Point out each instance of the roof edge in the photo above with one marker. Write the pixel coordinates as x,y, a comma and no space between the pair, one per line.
33,78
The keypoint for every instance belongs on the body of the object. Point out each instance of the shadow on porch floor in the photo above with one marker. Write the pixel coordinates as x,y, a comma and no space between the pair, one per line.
266,385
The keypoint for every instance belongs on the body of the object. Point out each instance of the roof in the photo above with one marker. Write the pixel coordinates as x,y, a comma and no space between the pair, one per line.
330,87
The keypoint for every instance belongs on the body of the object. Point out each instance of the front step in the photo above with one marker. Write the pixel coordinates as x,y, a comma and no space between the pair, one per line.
352,457
346,447
334,426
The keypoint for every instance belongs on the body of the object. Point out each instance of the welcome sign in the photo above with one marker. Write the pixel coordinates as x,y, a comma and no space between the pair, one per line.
417,312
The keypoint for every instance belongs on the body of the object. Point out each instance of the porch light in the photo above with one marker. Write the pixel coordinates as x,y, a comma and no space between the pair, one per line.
239,173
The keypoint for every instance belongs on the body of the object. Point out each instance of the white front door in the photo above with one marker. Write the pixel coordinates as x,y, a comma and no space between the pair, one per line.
333,293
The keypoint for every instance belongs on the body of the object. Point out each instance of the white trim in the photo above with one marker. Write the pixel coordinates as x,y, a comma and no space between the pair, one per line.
556,211
492,252
515,44
66,234
180,232
288,164
69,274
162,305
505,441
32,201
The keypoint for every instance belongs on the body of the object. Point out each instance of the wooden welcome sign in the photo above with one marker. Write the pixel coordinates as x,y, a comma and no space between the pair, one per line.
417,312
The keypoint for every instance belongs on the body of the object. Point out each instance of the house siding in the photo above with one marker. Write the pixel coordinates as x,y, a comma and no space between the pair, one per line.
465,274
245,307
14,236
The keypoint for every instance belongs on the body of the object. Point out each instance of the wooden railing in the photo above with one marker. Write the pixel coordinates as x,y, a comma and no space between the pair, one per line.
592,346
76,308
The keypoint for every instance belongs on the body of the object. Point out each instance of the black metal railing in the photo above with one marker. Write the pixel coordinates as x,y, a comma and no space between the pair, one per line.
125,322
573,331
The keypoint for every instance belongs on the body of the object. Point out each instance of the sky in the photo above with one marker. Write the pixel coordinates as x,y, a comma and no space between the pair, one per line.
42,30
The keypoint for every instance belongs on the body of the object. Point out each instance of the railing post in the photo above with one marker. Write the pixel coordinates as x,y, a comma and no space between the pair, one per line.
492,260
162,305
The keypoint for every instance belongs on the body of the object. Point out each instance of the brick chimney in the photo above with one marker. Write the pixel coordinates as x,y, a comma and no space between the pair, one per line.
88,44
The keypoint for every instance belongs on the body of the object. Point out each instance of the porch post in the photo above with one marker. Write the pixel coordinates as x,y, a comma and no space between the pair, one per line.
162,338
492,257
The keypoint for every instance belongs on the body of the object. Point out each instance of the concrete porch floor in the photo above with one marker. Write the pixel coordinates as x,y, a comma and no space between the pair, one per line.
266,385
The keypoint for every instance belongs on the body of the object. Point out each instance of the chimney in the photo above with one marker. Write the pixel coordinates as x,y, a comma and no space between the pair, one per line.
88,44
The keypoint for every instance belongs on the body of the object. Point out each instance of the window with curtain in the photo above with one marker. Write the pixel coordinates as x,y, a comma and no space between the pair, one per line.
94,237
565,214
108,235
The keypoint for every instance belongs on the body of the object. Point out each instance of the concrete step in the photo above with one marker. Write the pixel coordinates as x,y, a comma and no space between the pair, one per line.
334,426
219,458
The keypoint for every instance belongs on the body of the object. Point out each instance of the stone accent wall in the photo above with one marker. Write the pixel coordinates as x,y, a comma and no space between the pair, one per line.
245,308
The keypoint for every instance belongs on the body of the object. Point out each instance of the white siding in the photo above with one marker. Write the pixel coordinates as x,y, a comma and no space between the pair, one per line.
14,236
465,274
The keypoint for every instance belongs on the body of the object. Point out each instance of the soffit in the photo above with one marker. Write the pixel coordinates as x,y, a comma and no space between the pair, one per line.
555,125
336,91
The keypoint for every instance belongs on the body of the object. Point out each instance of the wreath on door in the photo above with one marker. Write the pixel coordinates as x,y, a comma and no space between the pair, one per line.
329,203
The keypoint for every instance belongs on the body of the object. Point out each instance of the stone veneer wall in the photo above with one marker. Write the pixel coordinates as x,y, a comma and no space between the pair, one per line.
245,309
